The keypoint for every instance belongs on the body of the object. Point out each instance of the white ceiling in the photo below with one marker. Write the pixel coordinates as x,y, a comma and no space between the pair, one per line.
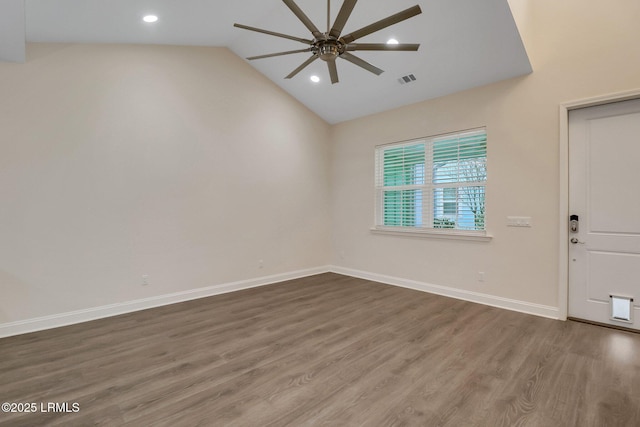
464,43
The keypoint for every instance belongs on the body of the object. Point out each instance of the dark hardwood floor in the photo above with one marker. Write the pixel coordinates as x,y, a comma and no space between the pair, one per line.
327,350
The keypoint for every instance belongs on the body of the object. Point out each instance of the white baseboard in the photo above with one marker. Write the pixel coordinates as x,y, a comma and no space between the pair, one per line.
79,316
491,300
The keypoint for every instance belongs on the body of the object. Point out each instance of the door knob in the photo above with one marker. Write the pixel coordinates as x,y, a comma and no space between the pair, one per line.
575,241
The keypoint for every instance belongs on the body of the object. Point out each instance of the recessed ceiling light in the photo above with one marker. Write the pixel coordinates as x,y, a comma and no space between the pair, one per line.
392,41
315,79
150,18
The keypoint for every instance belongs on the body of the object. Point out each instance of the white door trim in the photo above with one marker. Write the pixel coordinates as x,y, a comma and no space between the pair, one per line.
563,232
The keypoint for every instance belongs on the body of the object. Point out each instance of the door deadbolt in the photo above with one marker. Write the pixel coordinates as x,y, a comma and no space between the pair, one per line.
573,223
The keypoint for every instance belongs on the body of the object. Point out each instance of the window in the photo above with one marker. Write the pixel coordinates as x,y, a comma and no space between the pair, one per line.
433,183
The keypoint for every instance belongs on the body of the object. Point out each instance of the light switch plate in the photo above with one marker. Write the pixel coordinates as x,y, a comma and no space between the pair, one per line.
519,221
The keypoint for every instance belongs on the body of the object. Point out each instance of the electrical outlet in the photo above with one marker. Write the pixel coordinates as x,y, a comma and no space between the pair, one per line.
481,276
145,280
260,263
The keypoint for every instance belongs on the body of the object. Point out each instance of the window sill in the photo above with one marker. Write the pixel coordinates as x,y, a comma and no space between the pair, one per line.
475,236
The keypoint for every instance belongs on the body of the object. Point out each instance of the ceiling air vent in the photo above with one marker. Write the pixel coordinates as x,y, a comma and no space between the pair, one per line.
407,79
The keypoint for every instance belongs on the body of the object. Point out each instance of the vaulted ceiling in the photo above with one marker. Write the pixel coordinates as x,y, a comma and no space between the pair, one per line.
464,43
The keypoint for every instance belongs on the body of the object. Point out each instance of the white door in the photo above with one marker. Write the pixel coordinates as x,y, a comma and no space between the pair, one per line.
604,192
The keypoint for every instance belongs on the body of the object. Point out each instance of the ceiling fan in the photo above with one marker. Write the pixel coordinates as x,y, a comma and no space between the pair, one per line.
331,45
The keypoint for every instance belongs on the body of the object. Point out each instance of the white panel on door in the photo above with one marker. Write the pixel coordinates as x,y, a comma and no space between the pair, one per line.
612,274
612,174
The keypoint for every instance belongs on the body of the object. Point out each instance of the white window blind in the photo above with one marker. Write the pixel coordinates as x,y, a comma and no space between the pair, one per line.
433,183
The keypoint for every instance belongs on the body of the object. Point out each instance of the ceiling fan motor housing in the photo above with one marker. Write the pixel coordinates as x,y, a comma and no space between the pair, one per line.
328,49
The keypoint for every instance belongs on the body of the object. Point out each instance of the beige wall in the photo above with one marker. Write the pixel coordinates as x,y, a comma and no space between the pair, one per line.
180,163
578,50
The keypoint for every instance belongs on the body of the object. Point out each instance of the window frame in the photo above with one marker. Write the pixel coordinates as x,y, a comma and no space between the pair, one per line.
429,186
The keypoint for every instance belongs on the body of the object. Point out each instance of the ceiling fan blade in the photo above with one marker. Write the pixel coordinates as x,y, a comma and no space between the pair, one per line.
333,71
270,55
383,23
302,17
383,46
343,16
271,33
302,67
361,63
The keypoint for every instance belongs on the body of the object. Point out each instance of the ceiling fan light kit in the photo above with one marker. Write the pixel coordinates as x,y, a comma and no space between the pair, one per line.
331,45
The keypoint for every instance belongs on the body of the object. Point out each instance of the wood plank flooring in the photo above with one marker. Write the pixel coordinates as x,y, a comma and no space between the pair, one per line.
327,350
